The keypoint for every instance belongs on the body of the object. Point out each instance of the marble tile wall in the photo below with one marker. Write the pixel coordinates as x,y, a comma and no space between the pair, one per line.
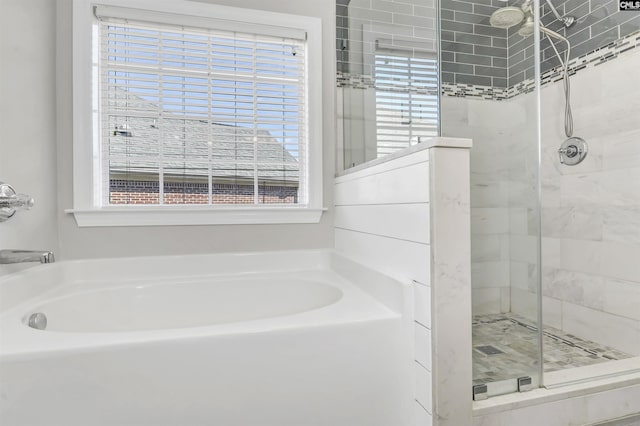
591,212
502,193
451,283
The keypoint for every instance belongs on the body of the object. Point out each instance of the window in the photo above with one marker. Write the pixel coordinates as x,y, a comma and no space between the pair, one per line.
406,100
198,116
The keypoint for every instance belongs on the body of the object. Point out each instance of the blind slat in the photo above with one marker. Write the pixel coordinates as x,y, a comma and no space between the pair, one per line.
202,103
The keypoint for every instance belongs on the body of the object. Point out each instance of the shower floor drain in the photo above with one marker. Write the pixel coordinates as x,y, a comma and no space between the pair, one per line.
489,350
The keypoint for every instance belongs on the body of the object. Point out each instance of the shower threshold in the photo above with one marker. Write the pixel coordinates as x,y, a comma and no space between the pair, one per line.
514,349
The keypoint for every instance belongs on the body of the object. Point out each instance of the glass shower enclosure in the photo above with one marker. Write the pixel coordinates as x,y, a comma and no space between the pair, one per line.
539,86
542,88
387,78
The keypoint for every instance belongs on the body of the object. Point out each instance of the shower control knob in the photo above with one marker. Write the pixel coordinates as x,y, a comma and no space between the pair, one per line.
10,201
573,151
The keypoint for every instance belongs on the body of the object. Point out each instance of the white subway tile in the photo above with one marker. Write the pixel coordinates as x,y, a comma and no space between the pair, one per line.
505,300
489,221
523,248
486,301
611,330
490,274
620,261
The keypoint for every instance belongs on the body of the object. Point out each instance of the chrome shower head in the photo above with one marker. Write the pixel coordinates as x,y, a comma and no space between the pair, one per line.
506,17
527,28
567,20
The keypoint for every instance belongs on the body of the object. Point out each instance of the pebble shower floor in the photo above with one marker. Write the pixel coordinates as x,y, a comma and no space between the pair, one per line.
516,338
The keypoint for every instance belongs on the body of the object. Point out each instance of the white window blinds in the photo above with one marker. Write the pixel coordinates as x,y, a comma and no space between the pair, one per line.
406,100
201,115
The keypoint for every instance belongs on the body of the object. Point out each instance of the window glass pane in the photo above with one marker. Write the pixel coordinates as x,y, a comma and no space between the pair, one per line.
208,116
182,186
233,183
131,188
278,184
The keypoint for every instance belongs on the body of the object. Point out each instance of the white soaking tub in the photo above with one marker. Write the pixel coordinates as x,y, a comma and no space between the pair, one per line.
234,339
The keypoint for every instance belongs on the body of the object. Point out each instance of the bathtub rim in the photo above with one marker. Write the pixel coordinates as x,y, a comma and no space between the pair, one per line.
83,289
362,301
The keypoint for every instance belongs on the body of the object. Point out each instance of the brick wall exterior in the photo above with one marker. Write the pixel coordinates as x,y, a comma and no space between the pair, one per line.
144,192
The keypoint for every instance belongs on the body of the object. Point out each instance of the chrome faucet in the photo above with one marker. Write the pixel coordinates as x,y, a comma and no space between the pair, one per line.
21,256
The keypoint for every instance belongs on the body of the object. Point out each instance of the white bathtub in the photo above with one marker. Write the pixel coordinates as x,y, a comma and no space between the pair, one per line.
263,339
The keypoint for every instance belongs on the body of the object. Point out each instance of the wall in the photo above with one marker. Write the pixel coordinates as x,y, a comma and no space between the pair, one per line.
599,22
590,226
127,241
502,123
473,52
365,202
418,234
501,187
591,212
27,121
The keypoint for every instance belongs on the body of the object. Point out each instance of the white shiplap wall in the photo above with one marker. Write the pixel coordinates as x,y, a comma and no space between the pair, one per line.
382,217
408,217
382,221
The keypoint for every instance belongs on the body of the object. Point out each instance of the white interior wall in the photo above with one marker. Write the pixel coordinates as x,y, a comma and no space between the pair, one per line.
36,140
591,212
27,121
383,222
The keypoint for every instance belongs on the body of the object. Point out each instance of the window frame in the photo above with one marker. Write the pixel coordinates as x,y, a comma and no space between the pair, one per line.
87,203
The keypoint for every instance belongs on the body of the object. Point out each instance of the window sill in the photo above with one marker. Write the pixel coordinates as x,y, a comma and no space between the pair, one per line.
193,215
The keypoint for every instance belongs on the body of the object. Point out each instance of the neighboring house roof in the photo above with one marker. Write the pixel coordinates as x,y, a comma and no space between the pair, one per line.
190,145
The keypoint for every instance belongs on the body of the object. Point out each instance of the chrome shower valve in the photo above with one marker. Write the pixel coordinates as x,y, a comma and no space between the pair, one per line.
573,151
10,201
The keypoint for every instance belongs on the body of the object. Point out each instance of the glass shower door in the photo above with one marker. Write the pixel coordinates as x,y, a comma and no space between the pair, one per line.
590,190
490,95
